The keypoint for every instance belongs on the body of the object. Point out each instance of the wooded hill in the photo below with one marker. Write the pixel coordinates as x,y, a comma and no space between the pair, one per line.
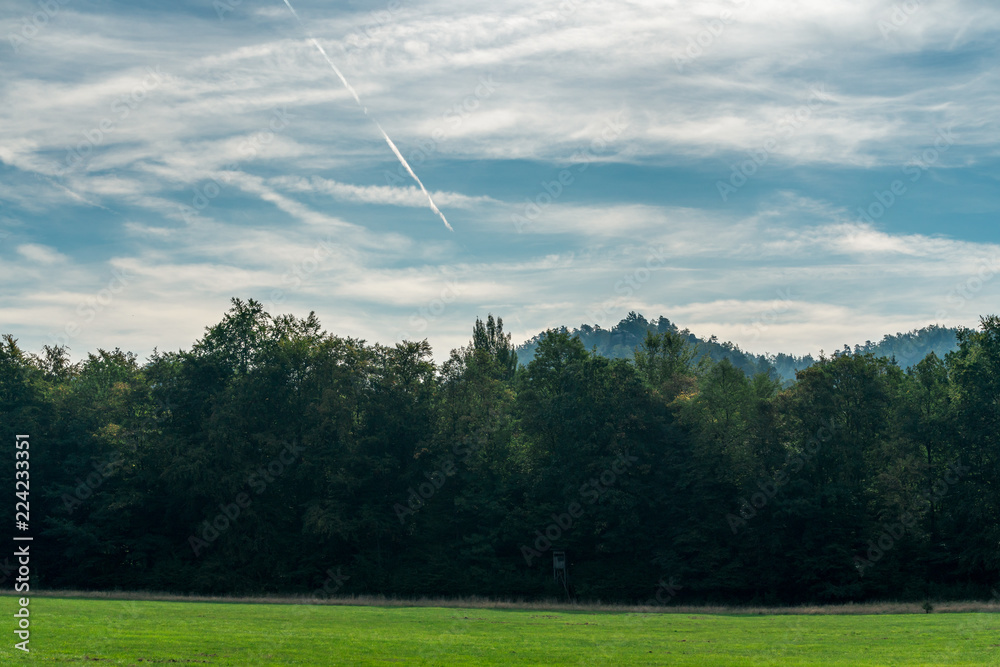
622,340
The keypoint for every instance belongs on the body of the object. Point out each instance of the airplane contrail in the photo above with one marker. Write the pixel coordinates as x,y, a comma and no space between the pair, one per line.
357,99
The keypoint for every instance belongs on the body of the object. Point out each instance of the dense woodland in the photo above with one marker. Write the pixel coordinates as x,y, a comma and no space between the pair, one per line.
620,341
275,457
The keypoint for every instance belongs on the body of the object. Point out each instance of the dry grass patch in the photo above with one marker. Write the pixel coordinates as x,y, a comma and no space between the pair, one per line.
473,602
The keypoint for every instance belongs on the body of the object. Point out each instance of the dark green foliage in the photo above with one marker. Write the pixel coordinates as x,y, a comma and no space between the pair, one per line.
273,456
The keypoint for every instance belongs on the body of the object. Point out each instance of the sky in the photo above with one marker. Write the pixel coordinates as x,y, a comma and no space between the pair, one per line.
792,176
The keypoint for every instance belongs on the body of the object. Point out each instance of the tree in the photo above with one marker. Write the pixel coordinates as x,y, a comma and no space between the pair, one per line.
666,363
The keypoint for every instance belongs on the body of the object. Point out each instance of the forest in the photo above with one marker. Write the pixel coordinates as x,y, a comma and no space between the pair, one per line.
275,457
620,341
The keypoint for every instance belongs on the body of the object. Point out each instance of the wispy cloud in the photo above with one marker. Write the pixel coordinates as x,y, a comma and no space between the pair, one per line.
375,194
40,254
145,139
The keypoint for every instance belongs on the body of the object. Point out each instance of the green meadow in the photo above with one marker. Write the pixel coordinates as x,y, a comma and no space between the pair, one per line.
128,632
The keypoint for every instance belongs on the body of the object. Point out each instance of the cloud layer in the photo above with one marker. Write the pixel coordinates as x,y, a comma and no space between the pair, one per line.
791,176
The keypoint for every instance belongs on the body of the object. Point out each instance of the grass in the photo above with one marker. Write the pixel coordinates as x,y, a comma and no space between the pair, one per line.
109,631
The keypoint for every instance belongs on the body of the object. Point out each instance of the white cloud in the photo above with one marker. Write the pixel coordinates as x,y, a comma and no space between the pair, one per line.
376,194
40,254
475,87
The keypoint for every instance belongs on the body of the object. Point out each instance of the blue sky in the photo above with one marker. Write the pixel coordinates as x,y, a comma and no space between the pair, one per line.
791,176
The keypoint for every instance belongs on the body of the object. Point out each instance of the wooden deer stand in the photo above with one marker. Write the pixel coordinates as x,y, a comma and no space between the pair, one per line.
560,571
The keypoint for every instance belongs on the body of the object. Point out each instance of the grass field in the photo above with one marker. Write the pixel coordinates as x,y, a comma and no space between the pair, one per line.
70,631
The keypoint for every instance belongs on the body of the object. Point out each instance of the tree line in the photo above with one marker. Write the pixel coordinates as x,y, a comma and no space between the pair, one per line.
276,457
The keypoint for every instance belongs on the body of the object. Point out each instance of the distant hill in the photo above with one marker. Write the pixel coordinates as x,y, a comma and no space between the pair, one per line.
620,341
910,348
